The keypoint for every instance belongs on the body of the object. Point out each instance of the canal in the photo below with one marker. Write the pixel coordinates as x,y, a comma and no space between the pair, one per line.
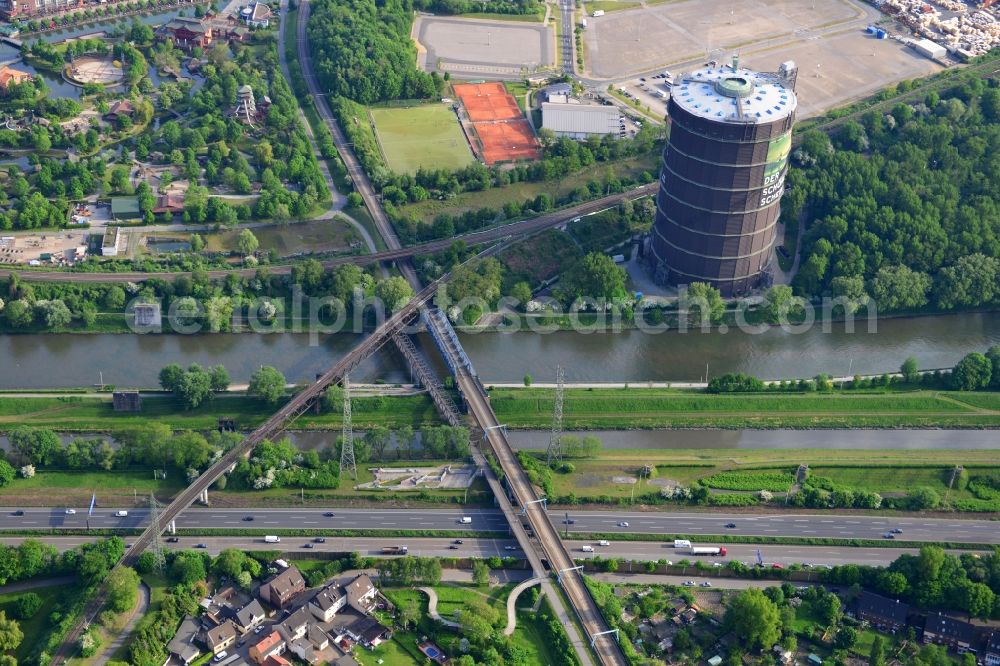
56,361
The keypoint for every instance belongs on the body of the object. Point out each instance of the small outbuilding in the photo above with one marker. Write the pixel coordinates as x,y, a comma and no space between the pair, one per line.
126,401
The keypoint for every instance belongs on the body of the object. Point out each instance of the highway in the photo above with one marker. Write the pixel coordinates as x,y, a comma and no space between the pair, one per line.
628,551
915,528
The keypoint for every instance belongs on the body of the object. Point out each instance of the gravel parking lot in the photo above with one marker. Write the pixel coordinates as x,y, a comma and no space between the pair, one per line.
474,48
628,41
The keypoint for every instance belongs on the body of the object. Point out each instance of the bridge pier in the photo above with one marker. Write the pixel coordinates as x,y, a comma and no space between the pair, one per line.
172,527
203,497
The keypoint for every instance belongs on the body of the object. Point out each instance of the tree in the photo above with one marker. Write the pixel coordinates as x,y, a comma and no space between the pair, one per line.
706,300
122,585
923,498
892,583
194,387
849,290
900,288
827,607
970,281
230,562
6,473
480,573
39,445
188,567
218,378
528,380
246,242
409,613
754,619
972,373
876,657
910,370
244,580
54,314
267,384
780,304
595,276
333,398
170,376
929,563
27,605
10,633
993,354
394,292
19,314
846,638
521,292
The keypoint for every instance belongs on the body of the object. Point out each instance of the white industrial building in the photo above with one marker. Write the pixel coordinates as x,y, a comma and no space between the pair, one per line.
929,49
578,121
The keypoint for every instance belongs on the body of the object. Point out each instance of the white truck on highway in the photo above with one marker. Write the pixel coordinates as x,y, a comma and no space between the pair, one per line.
272,539
684,544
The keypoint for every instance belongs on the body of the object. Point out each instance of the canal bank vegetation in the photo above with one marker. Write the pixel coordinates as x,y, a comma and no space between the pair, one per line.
903,480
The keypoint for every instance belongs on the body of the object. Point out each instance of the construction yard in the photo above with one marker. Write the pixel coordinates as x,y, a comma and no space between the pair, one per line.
417,137
476,48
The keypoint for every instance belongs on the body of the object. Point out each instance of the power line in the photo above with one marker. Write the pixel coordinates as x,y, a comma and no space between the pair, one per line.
555,452
347,435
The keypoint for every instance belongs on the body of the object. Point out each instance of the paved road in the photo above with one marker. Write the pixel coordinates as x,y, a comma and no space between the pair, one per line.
637,551
790,524
311,518
140,610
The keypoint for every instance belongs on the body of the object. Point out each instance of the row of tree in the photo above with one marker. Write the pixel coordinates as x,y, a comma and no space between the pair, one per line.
896,206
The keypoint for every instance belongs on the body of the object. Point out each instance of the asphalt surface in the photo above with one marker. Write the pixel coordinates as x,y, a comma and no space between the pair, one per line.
311,518
628,551
780,525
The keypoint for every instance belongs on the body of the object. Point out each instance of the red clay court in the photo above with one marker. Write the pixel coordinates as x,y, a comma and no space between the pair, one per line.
487,101
503,132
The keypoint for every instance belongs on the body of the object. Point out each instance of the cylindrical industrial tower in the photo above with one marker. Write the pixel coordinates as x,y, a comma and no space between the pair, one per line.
723,175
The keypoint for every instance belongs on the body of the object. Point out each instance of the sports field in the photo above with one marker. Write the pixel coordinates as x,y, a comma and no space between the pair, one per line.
421,136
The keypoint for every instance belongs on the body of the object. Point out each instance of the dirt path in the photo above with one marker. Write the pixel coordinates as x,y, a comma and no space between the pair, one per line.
140,609
512,604
432,608
24,586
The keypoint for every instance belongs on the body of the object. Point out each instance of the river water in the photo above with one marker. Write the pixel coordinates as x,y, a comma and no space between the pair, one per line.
60,361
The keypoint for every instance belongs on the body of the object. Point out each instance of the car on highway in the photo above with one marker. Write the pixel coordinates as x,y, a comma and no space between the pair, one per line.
688,583
19,512
730,526
888,535
328,514
707,583
172,539
603,542
623,524
320,539
308,545
452,547
896,530
247,519
569,521
777,566
201,545
70,512
717,565
458,542
127,546
510,547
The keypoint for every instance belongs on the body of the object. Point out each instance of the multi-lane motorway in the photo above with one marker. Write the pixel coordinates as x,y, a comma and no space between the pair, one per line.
630,552
777,525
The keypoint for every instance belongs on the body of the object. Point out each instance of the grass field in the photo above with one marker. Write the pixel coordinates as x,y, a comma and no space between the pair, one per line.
37,624
630,408
292,239
421,136
614,473
496,197
82,414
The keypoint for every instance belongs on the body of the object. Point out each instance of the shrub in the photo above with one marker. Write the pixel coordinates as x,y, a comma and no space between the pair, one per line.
755,481
27,605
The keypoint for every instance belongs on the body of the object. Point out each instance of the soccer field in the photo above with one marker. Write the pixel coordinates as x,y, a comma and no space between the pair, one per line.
421,136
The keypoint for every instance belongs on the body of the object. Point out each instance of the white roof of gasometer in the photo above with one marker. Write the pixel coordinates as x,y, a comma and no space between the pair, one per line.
729,93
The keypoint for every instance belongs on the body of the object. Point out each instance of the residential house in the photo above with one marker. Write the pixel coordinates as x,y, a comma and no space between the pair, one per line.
248,617
277,660
295,625
991,651
9,75
327,602
346,660
367,631
169,203
361,594
121,108
10,9
272,645
221,637
182,649
883,613
186,33
281,588
958,634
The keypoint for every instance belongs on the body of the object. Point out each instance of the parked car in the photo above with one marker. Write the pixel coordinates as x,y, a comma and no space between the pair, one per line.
259,628
219,657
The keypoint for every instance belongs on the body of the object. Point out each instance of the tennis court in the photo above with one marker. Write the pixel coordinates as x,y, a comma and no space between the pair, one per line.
427,136
487,101
507,141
